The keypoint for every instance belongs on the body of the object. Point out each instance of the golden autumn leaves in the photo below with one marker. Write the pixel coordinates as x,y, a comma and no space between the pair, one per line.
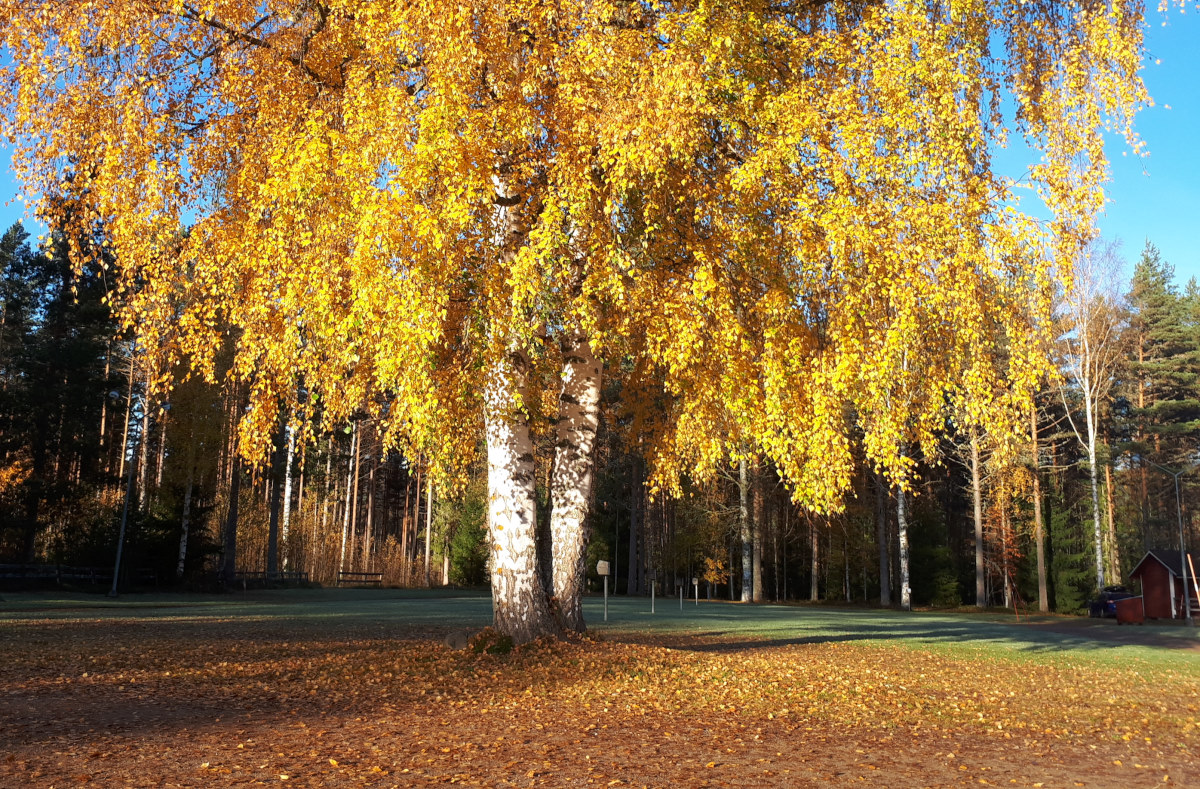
319,699
785,217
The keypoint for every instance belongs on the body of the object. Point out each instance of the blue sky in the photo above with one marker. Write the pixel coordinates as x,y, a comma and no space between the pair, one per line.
1158,196
1154,197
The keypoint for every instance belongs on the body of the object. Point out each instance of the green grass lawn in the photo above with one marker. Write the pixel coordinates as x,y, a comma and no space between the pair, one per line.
1161,643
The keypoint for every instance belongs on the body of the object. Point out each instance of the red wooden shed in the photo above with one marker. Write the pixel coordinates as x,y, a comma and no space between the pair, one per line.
1161,575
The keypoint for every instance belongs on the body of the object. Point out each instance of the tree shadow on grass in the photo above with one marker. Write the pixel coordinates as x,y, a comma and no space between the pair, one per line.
1023,637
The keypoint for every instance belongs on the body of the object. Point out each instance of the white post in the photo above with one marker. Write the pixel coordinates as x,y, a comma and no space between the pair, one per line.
602,569
652,585
1195,584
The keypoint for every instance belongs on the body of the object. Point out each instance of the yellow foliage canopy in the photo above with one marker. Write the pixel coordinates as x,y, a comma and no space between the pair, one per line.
785,212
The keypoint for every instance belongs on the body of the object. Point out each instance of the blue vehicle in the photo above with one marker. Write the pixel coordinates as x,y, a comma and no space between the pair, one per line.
1106,604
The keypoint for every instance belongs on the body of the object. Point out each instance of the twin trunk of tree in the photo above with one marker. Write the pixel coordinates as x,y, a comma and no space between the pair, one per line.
521,607
571,476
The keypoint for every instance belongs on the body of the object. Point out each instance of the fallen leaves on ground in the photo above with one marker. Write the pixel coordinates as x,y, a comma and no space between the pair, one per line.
246,702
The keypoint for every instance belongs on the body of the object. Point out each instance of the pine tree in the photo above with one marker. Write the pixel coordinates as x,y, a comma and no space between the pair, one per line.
1163,382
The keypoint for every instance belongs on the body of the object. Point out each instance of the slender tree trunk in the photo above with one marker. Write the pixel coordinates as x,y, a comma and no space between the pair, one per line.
143,444
1004,543
757,530
881,538
814,593
519,605
845,565
229,555
287,493
428,527
406,519
370,526
1039,531
325,501
128,416
184,525
787,511
746,533
116,578
347,522
634,584
977,499
828,565
1090,406
354,497
1144,501
415,525
162,451
902,528
103,401
571,484
732,563
1096,533
274,507
1114,548
774,521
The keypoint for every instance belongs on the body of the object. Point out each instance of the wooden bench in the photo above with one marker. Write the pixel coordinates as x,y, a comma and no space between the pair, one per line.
346,578
57,574
260,578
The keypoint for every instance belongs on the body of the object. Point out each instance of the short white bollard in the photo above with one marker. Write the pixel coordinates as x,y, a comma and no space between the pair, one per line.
602,569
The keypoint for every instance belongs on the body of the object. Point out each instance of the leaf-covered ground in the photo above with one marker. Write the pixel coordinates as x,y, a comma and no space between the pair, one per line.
202,700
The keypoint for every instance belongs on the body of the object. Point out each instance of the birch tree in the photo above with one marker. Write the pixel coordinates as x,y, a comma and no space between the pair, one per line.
1091,353
419,210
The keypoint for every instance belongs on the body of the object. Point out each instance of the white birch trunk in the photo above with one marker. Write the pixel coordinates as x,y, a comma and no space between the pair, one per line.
902,528
287,493
1089,408
571,480
520,609
977,499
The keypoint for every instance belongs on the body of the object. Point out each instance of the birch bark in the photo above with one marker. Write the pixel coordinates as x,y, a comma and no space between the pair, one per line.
520,609
571,481
977,501
287,492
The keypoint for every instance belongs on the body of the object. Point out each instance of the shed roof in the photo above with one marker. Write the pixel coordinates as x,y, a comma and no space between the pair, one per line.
1167,558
